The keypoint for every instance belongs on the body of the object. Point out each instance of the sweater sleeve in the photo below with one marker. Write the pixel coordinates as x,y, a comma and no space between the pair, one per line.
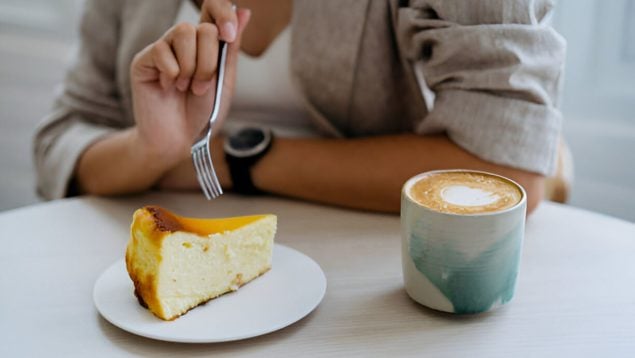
495,68
88,104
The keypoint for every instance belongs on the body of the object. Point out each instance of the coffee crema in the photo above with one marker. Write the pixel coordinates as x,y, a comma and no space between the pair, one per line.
465,192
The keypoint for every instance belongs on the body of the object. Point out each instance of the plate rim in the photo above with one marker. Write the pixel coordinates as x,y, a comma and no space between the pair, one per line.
271,329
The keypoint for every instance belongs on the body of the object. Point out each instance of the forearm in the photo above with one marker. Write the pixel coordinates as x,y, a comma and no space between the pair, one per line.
359,173
368,173
117,164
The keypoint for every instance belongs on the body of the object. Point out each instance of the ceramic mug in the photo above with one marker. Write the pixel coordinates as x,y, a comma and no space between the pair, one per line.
460,263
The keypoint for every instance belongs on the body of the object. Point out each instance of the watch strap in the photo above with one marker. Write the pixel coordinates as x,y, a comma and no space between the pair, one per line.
240,171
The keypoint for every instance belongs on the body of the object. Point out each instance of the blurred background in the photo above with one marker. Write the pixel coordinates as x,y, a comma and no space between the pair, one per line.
37,39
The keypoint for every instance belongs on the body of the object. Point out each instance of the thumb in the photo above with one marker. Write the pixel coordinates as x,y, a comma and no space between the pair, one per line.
232,61
233,50
243,16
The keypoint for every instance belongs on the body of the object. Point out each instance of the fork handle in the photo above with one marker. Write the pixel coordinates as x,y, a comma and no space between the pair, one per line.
220,78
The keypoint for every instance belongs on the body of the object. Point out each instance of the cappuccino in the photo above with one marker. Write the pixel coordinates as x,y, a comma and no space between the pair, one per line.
465,192
461,242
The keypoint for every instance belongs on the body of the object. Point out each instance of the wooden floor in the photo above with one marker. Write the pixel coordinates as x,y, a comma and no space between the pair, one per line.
33,62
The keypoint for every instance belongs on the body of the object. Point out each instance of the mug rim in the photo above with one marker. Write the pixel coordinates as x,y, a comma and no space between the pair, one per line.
410,182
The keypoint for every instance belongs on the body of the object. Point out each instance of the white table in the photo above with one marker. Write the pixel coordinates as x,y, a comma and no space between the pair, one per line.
575,296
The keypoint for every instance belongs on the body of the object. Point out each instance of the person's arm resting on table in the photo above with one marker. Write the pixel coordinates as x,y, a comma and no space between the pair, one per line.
495,84
365,173
482,119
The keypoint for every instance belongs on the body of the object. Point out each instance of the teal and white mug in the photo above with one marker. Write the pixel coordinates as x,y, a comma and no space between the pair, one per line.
461,239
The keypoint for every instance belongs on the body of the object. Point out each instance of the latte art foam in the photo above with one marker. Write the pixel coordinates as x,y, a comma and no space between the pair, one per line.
465,192
466,196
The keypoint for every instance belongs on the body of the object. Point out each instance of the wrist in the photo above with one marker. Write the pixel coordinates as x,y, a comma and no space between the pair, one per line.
156,161
155,157
244,149
183,175
220,163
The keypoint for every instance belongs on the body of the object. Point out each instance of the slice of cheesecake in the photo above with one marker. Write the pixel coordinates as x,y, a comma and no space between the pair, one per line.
178,263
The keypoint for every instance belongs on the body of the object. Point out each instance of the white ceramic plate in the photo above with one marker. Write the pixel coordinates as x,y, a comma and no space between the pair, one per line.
293,287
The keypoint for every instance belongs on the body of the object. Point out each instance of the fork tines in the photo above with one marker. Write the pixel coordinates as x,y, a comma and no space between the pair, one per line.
205,173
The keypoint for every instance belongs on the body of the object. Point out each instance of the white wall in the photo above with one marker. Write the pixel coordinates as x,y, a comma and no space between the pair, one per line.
600,77
52,17
599,101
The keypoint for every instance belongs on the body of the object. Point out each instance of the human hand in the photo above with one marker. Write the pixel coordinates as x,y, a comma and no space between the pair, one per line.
173,84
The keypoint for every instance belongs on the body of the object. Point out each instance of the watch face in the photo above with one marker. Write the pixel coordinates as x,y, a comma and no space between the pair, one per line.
247,142
246,139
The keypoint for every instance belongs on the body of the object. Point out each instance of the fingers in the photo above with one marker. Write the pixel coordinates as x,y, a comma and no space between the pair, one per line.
187,55
221,13
182,39
165,61
243,16
195,50
206,58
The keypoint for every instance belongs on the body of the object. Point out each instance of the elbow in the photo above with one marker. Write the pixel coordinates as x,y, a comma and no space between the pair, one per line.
535,195
84,186
534,185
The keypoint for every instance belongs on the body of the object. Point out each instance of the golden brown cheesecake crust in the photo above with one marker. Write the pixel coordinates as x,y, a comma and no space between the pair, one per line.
163,219
154,223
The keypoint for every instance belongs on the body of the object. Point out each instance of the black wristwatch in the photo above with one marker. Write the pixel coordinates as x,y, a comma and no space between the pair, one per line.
243,150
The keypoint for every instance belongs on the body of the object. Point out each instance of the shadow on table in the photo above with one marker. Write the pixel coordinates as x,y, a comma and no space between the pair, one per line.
140,345
394,324
395,302
396,317
444,316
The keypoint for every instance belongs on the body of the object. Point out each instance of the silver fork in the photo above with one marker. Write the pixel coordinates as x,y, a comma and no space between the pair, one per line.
201,155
